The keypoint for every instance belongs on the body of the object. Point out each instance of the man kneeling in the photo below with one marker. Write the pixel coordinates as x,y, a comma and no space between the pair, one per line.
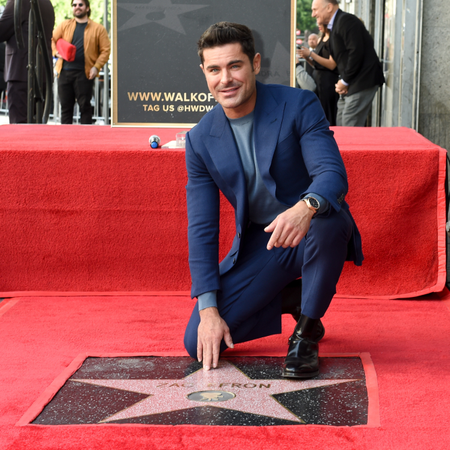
269,150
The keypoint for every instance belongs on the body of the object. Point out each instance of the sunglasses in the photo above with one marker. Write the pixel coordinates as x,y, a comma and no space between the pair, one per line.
77,4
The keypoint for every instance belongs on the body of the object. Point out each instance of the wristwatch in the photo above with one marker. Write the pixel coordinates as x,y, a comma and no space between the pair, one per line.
312,203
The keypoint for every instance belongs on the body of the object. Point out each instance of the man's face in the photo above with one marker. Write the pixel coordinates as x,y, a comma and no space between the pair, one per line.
312,40
79,9
322,11
231,78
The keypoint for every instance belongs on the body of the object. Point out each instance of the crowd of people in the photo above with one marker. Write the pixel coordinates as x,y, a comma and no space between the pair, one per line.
91,49
342,66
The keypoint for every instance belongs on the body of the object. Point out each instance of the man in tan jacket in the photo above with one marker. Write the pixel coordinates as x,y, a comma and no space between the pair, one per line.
76,78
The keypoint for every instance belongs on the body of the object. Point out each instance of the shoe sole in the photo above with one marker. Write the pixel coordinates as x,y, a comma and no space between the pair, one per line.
300,376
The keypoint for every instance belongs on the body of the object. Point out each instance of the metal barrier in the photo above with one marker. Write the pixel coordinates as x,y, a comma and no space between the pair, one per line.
3,103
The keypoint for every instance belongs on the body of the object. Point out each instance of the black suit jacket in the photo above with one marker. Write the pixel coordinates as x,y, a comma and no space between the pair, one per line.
352,48
16,60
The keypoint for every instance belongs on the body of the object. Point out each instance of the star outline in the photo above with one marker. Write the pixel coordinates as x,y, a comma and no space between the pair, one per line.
227,364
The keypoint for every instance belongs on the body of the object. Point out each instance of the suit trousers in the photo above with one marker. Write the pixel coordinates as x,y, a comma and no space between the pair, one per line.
250,297
353,109
74,85
17,101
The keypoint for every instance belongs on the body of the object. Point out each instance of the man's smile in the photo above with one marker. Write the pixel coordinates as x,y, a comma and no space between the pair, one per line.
229,90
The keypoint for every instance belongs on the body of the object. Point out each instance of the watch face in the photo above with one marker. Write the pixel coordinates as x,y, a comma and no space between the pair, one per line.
314,203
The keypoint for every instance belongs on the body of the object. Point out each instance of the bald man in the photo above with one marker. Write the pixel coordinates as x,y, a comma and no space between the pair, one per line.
313,40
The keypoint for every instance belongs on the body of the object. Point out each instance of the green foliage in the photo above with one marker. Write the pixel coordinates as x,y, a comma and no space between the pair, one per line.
304,20
63,10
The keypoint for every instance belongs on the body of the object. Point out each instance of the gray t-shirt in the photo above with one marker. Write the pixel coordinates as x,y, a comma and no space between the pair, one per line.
264,208
262,205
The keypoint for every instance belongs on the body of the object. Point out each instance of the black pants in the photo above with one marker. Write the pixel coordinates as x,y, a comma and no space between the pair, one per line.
17,101
73,85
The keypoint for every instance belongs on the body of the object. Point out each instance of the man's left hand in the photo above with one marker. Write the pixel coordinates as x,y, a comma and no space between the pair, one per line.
341,88
290,227
93,73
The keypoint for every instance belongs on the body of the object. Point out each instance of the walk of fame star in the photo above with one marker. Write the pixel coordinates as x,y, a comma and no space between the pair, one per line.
242,391
248,395
169,14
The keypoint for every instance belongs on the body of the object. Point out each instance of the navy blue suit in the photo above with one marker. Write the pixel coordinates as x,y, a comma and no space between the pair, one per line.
296,154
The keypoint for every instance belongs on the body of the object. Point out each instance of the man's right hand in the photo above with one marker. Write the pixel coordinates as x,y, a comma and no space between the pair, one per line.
211,330
93,73
341,88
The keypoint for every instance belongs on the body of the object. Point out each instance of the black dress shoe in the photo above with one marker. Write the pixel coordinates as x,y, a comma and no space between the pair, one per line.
302,360
291,303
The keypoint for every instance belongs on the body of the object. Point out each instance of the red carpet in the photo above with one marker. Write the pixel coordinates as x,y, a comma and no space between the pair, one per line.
407,342
93,209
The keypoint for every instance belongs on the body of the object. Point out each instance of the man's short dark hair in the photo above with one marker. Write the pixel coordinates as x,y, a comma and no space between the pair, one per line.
223,33
333,2
86,3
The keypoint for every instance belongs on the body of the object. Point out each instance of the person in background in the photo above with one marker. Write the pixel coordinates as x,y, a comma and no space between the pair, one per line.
313,40
2,67
304,79
325,74
16,61
76,78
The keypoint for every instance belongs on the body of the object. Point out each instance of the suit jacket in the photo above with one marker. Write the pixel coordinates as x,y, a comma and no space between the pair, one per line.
351,46
296,154
17,60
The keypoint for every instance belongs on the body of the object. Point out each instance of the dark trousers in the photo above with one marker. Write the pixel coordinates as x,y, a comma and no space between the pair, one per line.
249,300
17,101
73,85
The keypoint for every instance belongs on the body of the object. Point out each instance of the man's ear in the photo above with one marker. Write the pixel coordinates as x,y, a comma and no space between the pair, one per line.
257,63
201,67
